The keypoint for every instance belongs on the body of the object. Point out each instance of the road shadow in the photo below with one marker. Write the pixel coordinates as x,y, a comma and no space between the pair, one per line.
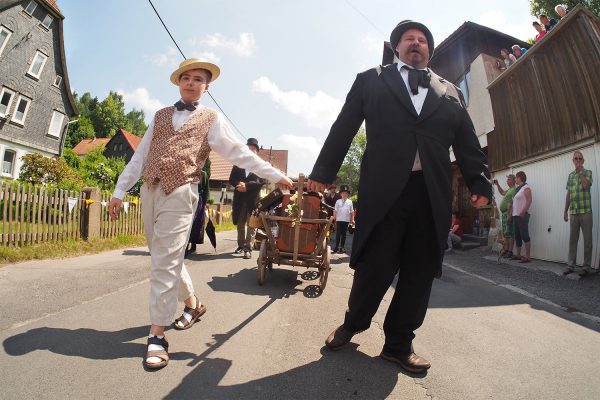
279,283
131,252
85,343
339,375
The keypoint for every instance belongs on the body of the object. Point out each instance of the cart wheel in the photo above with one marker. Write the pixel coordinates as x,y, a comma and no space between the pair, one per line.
324,270
262,262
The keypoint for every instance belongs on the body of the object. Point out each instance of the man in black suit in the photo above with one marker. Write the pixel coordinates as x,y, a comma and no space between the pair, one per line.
412,118
247,191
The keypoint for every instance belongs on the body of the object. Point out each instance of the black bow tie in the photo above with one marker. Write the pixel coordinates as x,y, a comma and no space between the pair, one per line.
180,106
416,78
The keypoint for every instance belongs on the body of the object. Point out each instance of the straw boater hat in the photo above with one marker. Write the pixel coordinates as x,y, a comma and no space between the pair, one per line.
195,63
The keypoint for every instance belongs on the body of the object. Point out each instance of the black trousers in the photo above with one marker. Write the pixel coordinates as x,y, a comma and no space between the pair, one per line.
403,243
341,227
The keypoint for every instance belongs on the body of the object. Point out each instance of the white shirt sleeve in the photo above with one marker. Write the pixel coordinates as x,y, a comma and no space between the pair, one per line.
222,140
134,168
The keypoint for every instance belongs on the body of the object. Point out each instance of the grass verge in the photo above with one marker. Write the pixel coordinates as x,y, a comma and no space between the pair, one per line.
74,248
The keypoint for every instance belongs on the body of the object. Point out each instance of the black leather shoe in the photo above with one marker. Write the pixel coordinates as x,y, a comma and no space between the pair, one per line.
409,362
239,250
338,338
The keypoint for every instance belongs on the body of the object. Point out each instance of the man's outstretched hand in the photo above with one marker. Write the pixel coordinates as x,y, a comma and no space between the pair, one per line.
478,201
285,183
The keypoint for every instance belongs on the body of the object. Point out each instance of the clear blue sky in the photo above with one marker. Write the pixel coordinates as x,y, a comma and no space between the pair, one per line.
286,66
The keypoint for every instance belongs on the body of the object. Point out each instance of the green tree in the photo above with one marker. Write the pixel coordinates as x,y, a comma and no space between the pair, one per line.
135,122
98,170
79,130
349,173
109,115
37,169
547,6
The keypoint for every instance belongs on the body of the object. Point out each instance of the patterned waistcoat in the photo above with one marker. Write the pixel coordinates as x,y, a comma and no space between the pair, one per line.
176,157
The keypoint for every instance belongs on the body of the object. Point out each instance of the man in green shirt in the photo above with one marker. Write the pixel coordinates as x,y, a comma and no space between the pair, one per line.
506,220
578,204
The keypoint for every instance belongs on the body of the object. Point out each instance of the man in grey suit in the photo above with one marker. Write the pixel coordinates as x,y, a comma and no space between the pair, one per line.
412,118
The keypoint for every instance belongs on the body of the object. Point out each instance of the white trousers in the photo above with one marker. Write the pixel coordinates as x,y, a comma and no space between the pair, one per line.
167,222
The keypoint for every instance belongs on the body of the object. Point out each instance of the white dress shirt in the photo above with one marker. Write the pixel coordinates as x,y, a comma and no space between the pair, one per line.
417,100
343,210
220,139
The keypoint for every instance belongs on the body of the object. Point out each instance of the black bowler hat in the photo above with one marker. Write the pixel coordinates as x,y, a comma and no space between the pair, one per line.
253,142
344,188
405,25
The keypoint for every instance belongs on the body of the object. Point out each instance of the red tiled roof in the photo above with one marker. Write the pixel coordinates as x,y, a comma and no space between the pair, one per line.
54,6
87,145
221,168
132,139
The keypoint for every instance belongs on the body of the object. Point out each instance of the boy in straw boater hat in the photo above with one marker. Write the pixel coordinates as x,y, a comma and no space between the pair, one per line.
170,157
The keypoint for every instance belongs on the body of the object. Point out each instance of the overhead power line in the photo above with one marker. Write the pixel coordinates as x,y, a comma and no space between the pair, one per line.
183,55
365,18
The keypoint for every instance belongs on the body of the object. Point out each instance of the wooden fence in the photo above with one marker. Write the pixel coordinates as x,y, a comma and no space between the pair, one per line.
32,215
130,220
38,214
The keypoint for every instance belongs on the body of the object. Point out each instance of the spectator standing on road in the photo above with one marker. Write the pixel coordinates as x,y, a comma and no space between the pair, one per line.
456,233
247,192
505,216
578,204
331,197
520,215
170,157
344,215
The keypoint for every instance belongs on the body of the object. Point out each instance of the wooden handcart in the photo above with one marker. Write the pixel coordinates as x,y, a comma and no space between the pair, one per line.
300,250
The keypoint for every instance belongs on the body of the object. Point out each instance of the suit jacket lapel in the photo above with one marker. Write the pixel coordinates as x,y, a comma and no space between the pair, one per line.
391,76
437,90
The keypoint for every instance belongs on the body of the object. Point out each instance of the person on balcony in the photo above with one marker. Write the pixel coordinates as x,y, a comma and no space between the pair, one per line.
540,31
561,10
549,24
518,51
507,59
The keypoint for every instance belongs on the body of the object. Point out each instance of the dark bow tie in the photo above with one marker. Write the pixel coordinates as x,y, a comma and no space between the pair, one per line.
416,78
180,106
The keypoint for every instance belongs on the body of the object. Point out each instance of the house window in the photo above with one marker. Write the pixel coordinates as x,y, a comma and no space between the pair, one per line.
56,124
31,7
35,70
47,21
6,97
21,110
8,162
465,85
58,80
120,146
4,36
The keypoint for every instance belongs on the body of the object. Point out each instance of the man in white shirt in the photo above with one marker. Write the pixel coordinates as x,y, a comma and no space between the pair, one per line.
170,157
343,213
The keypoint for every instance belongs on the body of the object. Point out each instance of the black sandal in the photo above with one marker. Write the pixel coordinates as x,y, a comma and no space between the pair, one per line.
162,354
194,313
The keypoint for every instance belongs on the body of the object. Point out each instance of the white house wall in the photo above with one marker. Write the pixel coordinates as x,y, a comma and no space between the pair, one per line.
20,151
547,179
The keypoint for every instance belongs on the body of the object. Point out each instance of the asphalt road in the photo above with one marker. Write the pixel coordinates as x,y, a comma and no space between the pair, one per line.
76,329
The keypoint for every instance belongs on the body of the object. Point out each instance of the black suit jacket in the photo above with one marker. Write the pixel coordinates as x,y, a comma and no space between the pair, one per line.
250,196
394,133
